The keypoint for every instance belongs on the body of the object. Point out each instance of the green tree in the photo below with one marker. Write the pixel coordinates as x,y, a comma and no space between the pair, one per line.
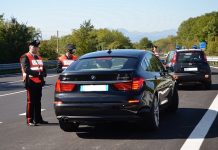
85,38
48,49
144,43
13,39
202,28
167,44
112,39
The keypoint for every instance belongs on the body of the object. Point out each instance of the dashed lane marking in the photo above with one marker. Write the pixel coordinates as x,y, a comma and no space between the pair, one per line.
24,114
1,122
12,93
197,136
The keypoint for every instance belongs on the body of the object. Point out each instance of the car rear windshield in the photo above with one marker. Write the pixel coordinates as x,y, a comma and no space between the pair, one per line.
104,63
190,57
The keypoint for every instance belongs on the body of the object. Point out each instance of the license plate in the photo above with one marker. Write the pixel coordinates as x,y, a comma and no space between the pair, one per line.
190,69
89,88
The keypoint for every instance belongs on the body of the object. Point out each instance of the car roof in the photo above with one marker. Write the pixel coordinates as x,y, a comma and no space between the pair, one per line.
116,52
189,50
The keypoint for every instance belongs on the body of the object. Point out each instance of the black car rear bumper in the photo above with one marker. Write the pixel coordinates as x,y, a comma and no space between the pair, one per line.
99,112
191,78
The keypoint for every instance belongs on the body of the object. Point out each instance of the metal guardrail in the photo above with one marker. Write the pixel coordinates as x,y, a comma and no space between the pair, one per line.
212,58
17,65
54,62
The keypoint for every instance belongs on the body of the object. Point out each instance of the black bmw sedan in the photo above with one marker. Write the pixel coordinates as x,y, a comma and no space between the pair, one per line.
114,85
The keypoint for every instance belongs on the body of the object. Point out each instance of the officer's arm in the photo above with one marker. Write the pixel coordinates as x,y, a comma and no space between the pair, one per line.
59,66
26,66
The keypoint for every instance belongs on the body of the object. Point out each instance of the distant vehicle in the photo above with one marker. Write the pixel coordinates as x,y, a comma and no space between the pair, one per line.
114,85
189,66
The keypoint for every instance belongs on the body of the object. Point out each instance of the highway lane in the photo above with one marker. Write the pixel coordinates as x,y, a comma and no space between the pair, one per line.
13,100
174,131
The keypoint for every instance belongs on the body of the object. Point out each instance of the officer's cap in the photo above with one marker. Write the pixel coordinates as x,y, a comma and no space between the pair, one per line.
34,43
154,46
194,47
70,47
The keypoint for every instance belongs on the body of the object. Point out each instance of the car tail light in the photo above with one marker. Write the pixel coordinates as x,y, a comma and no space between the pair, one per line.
64,87
136,84
123,86
174,59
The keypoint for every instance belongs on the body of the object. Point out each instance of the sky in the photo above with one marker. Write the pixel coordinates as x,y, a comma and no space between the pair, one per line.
50,16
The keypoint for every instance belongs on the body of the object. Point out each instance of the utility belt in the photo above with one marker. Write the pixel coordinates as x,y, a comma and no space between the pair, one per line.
30,81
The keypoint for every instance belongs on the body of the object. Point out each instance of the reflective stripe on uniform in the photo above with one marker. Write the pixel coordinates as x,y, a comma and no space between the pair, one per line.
37,62
36,65
64,68
67,62
37,68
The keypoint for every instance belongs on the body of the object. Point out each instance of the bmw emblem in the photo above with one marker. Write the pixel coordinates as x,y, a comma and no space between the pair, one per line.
93,77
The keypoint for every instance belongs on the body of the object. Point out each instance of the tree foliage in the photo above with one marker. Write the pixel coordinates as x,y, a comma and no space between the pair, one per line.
48,49
167,44
192,32
144,43
13,39
202,28
88,39
84,38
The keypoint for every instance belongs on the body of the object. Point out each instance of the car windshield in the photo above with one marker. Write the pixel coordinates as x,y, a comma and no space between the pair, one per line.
190,57
104,63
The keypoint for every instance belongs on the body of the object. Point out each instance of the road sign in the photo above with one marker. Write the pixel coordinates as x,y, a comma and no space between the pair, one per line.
202,45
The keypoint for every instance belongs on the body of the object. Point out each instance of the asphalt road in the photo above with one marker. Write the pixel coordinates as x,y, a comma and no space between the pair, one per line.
183,130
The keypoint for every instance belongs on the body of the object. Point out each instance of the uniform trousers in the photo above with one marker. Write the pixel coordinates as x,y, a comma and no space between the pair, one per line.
33,110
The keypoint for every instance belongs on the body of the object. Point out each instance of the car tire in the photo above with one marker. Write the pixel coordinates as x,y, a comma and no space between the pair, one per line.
207,85
69,126
154,115
174,101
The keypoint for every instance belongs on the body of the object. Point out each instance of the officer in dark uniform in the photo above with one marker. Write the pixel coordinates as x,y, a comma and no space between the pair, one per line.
33,73
65,60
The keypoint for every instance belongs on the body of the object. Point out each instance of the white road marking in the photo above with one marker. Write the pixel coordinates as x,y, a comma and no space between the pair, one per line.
1,122
19,91
24,114
13,82
197,136
53,76
12,93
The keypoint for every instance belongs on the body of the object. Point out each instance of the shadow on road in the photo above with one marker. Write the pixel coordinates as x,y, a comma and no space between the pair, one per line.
214,73
172,126
197,87
50,124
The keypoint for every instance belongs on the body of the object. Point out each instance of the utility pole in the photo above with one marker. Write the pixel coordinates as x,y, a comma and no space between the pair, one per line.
57,42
